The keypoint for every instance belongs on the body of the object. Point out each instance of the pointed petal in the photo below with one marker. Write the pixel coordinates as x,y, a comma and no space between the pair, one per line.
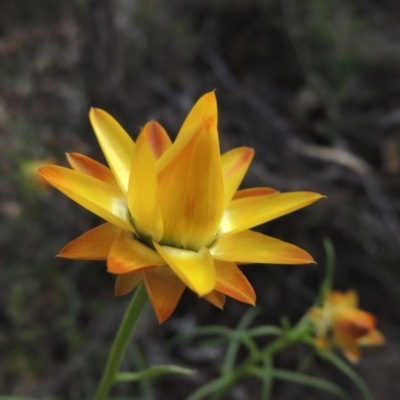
98,197
352,352
193,185
143,199
125,283
248,212
128,254
316,314
164,289
235,164
232,282
115,143
352,324
373,338
195,269
88,166
350,299
322,342
253,192
157,137
205,108
216,298
254,247
92,245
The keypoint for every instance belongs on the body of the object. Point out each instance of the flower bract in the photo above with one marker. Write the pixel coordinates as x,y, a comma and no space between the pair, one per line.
174,215
339,322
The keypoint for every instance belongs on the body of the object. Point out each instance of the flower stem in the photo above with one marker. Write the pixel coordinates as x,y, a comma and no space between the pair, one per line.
121,341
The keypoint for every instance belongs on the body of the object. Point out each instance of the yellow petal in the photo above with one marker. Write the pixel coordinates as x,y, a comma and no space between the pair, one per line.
254,247
373,338
143,199
195,269
316,314
115,143
235,164
164,289
352,352
335,299
157,137
232,282
216,298
128,255
125,283
248,212
322,342
92,245
350,299
99,197
352,324
88,166
193,191
252,192
205,107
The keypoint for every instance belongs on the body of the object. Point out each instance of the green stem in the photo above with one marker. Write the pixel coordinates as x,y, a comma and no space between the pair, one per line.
121,341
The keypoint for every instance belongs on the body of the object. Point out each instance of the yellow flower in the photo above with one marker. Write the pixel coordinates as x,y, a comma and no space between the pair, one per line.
339,322
175,217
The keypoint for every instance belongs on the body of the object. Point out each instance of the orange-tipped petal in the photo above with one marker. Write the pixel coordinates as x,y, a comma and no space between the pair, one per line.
157,137
322,342
88,166
352,324
316,314
216,298
338,299
92,245
254,247
253,192
143,199
128,255
373,338
98,197
248,212
164,289
232,282
193,188
352,353
339,322
195,269
115,143
350,299
125,283
205,107
235,164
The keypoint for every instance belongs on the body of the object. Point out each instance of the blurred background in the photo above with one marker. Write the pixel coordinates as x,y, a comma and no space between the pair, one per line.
313,86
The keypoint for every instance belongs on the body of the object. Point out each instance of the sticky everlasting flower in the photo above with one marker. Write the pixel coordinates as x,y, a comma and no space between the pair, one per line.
339,322
175,216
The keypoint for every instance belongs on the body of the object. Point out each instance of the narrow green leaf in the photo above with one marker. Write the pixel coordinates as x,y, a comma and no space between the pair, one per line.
348,371
152,372
17,398
302,379
326,285
237,338
201,331
208,388
264,331
268,377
